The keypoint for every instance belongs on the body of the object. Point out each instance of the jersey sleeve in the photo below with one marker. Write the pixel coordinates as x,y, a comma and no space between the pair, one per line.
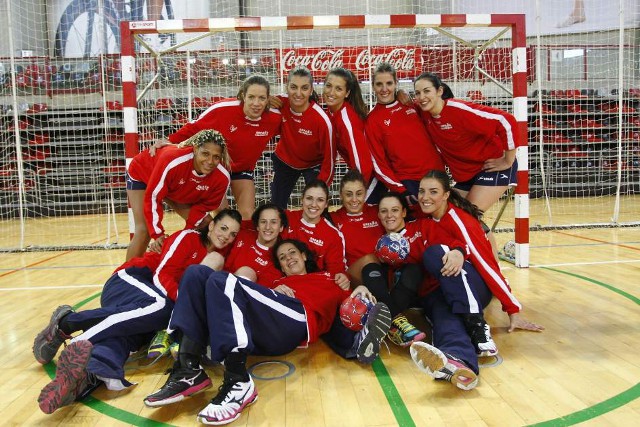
326,135
380,165
177,254
156,191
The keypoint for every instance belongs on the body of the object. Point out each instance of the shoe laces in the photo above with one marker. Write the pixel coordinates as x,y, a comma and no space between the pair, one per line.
225,388
403,324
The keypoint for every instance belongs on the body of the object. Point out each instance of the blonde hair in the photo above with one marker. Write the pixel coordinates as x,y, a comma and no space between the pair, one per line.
209,136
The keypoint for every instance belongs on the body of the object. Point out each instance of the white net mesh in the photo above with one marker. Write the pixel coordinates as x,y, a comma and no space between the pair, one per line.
62,152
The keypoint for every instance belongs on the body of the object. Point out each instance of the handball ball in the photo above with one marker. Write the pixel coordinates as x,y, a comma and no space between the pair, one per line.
509,249
353,312
392,248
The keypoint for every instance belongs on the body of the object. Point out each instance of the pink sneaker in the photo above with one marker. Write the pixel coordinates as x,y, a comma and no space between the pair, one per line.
443,366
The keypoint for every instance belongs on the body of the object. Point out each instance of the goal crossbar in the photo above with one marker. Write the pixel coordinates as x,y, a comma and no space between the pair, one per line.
514,22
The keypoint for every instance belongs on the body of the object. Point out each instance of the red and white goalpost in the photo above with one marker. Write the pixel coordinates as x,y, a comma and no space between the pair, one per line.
201,60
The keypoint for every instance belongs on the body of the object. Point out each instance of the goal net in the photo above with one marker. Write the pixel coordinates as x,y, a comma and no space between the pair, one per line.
67,111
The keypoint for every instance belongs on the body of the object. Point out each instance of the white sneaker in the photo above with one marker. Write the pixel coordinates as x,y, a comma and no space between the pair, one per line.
233,396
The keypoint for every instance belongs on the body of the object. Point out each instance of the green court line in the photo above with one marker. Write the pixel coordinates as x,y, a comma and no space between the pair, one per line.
609,404
399,409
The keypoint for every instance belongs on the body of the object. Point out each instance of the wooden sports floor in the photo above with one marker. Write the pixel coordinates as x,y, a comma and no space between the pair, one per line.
583,286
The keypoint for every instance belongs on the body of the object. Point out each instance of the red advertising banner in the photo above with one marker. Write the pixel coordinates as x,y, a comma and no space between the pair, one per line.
406,59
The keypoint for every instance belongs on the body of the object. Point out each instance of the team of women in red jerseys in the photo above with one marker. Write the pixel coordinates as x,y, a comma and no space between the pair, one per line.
396,154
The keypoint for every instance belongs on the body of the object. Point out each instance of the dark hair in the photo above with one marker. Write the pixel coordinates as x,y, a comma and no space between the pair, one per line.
353,87
454,197
255,79
447,93
384,67
304,72
228,212
352,175
310,264
318,183
255,217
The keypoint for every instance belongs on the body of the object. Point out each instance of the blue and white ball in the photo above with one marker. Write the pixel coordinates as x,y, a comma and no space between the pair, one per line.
392,249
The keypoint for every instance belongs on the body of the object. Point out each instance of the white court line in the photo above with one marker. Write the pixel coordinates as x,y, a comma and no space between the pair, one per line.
31,288
565,264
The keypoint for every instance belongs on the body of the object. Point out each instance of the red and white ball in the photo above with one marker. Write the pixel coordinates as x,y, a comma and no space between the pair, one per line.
353,312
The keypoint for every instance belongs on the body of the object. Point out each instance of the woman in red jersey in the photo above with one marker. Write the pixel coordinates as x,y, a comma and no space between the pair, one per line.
239,318
311,226
191,176
343,98
306,144
247,125
467,284
478,143
359,224
251,256
401,148
136,301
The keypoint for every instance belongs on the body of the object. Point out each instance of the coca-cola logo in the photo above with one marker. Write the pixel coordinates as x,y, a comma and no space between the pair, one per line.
323,60
402,59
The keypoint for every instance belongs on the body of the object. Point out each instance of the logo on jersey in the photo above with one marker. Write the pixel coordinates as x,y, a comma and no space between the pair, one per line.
387,122
370,224
340,226
195,254
306,132
315,241
415,237
446,126
411,111
233,128
503,176
262,262
262,133
202,187
181,181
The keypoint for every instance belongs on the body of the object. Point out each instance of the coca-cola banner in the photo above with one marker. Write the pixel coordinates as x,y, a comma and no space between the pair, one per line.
407,60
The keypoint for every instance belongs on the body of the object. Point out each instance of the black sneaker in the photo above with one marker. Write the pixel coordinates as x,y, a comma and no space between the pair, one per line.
480,334
182,382
49,340
368,339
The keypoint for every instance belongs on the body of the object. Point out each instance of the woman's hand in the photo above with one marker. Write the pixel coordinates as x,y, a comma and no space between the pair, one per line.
285,290
342,280
156,245
275,102
364,292
452,263
158,145
518,322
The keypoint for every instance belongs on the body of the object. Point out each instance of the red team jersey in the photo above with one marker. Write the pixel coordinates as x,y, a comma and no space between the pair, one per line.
323,239
248,252
320,296
306,140
467,134
172,176
361,231
246,138
465,227
351,142
400,145
180,250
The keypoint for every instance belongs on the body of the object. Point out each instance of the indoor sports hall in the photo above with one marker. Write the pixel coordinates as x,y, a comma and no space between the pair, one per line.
85,85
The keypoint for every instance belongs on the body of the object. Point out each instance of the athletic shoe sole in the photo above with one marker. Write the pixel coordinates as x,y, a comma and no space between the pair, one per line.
431,360
214,422
71,375
179,396
427,358
48,335
378,324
